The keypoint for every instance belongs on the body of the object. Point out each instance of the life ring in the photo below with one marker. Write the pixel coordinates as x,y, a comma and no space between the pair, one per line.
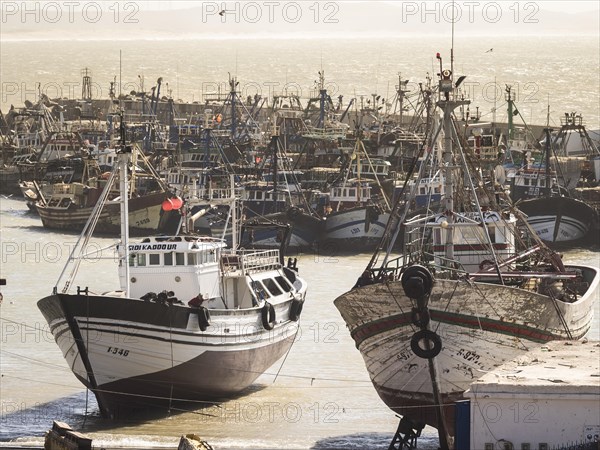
433,345
268,316
420,317
330,178
296,309
203,318
417,282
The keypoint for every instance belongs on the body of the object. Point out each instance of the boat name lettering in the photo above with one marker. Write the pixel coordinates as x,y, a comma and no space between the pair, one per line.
469,355
138,247
117,351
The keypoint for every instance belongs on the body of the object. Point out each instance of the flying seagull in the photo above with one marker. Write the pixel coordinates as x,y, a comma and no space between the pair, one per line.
490,50
222,13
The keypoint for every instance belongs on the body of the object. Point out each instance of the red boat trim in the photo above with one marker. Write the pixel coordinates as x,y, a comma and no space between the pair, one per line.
470,247
376,327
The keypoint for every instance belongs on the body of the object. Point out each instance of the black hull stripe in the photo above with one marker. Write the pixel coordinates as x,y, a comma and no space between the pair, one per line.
240,339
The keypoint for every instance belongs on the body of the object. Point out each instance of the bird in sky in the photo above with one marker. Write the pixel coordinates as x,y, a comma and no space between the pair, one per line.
490,50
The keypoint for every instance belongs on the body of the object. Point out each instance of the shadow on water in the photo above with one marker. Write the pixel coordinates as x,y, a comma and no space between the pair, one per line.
365,441
20,420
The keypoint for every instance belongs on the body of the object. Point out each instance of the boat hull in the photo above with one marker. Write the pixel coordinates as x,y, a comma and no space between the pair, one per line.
558,220
357,229
480,325
134,354
145,215
305,231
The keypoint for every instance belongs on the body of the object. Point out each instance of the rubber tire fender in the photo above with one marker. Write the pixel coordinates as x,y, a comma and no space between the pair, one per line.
434,340
296,309
268,316
203,318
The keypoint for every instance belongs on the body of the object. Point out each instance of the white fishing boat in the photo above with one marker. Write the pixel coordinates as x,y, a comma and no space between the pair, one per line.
192,320
473,288
355,216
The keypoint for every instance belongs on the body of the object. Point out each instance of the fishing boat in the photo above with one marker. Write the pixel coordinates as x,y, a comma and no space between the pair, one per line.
356,216
68,203
544,195
473,288
193,321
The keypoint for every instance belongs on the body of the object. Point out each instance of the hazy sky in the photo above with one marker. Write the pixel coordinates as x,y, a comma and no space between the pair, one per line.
551,5
299,18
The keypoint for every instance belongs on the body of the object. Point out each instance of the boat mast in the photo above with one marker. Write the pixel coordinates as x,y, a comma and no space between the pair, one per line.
448,105
232,85
124,154
509,103
548,174
322,99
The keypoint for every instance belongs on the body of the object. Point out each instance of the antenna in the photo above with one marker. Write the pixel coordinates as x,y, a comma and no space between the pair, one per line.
120,71
452,45
321,59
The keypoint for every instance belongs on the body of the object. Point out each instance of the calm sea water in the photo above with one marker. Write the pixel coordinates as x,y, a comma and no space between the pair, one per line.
320,396
562,71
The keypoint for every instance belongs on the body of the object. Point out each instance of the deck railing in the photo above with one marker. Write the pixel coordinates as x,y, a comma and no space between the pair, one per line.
249,261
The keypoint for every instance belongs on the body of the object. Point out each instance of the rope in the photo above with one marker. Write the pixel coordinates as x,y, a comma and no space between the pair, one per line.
286,355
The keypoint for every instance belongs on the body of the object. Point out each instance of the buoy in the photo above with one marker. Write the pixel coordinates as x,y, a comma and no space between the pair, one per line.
167,205
176,202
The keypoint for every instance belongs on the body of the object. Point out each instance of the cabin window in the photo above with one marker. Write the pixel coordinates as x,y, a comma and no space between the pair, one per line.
131,260
141,260
259,195
436,190
422,191
492,233
352,192
211,256
272,286
180,259
287,287
154,259
168,259
191,258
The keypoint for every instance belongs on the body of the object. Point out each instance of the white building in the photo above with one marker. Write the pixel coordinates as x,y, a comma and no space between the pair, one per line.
550,398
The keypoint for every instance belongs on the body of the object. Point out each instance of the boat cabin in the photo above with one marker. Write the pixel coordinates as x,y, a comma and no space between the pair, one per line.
471,247
349,195
187,266
200,267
